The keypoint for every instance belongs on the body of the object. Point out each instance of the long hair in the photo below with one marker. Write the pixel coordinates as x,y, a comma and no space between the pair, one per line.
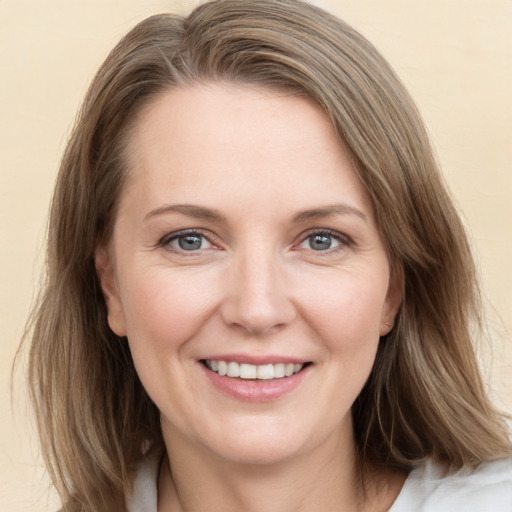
424,397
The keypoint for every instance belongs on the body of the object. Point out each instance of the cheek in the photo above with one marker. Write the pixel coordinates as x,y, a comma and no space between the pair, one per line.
346,308
166,307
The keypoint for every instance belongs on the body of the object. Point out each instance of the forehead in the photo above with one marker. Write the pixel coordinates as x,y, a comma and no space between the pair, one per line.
224,114
194,140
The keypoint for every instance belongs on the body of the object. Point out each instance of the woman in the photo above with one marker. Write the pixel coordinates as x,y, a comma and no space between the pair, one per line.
259,293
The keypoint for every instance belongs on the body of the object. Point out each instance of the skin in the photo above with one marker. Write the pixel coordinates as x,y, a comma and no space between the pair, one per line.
259,159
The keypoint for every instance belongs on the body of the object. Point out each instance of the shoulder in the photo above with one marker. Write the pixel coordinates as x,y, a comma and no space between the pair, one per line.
488,487
144,492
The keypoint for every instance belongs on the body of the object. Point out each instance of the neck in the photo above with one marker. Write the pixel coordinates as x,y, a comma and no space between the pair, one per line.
326,478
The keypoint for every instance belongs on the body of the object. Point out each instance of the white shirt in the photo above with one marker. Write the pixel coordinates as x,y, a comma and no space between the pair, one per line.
488,488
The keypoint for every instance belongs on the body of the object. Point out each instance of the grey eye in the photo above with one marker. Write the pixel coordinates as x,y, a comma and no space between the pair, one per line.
320,242
190,242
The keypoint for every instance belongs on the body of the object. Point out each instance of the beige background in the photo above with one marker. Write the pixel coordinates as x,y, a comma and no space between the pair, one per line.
454,55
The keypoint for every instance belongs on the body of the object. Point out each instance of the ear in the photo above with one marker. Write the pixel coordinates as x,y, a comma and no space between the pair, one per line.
106,276
393,299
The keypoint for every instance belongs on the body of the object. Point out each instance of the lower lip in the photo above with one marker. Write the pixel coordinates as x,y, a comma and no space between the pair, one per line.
257,390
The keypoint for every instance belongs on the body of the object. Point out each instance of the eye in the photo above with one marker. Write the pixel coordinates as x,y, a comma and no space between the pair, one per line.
323,241
187,241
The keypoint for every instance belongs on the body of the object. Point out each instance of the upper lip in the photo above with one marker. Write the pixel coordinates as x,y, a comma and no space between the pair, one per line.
256,360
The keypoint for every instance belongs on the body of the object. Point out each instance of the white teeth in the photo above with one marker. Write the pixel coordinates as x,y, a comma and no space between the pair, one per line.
222,368
248,371
233,370
265,371
279,370
251,371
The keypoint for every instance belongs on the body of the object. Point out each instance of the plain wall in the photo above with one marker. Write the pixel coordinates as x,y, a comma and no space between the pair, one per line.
455,57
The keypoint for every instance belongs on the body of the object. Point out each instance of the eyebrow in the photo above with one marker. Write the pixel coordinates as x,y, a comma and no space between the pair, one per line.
190,210
200,212
329,211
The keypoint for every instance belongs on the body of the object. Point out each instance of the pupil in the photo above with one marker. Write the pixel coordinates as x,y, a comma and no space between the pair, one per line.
189,242
320,242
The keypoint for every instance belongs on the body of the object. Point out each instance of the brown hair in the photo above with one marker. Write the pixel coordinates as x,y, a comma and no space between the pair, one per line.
424,397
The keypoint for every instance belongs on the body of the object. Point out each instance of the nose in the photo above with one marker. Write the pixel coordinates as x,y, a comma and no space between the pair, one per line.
256,298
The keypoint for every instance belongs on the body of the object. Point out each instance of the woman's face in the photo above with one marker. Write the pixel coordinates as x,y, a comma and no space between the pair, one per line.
245,243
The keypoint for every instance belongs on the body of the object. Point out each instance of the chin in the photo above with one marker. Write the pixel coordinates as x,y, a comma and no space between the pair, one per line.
260,445
269,454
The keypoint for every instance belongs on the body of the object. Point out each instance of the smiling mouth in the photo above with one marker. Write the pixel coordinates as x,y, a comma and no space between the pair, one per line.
253,372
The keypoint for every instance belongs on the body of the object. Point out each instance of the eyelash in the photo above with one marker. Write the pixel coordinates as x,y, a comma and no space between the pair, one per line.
165,242
343,240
